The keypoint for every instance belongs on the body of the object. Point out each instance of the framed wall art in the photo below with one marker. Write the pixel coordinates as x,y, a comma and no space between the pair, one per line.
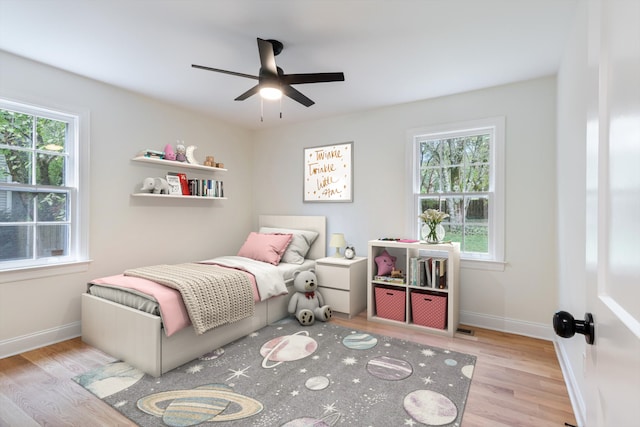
328,173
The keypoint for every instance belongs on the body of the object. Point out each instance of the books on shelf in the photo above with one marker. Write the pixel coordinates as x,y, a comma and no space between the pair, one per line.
184,184
428,272
413,271
179,184
439,273
389,279
153,154
206,187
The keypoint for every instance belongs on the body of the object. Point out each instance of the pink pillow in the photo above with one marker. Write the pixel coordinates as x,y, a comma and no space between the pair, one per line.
386,263
265,247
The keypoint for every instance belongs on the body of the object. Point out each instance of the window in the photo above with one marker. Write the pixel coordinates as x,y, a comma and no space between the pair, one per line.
41,214
458,169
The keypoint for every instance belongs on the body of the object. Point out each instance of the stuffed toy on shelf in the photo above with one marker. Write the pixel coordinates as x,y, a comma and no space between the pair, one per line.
169,154
155,186
181,152
307,304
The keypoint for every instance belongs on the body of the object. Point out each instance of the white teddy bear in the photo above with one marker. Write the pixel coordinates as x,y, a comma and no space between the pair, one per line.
307,303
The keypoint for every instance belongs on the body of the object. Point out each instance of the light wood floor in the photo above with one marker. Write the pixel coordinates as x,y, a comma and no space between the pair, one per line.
516,382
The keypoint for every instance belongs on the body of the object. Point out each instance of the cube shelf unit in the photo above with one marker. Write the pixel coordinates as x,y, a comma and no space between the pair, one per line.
404,252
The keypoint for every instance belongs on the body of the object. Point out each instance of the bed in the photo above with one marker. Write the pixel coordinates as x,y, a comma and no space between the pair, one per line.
139,338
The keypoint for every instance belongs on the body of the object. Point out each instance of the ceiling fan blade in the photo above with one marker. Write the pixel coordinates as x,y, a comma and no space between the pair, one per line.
296,96
267,57
294,79
217,70
249,93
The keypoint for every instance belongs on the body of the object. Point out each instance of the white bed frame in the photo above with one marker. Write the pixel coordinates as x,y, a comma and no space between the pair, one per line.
138,338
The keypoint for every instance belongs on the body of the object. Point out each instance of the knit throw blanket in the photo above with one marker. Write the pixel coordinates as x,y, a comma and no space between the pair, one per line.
213,295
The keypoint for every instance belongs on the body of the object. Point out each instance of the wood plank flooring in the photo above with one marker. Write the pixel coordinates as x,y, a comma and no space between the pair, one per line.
517,381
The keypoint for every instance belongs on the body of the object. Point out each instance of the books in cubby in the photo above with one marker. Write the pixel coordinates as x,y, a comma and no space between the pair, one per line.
428,272
389,279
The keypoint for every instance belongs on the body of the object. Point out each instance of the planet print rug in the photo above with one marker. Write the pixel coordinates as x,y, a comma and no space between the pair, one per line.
290,375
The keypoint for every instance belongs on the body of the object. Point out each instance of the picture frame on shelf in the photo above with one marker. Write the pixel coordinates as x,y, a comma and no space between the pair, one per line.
175,188
328,173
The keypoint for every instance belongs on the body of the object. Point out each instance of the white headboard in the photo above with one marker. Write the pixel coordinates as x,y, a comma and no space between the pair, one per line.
313,223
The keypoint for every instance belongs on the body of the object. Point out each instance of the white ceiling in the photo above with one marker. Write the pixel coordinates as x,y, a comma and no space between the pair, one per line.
391,52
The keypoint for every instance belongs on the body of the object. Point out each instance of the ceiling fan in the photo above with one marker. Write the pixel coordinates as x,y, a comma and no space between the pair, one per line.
272,82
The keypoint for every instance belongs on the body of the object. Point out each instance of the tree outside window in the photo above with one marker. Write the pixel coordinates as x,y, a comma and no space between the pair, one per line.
455,172
34,193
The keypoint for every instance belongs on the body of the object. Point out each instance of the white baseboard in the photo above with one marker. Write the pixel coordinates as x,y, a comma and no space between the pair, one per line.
577,401
39,339
513,326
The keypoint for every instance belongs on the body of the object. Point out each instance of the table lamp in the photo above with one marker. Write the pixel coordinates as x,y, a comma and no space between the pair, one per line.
337,241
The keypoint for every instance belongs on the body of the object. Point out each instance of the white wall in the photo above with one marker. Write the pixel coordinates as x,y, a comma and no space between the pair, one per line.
124,231
523,297
265,176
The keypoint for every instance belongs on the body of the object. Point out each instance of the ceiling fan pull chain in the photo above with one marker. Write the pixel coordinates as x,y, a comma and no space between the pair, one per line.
280,107
261,110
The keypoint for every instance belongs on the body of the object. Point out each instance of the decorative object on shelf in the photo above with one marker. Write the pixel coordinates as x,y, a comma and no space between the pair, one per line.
432,229
349,252
155,185
189,154
209,161
433,233
174,184
169,154
153,154
337,241
397,274
181,152
328,173
386,263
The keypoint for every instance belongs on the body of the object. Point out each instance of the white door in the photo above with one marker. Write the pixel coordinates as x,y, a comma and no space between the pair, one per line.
613,210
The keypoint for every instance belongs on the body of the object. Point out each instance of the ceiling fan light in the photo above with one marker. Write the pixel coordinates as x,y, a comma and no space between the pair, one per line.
271,93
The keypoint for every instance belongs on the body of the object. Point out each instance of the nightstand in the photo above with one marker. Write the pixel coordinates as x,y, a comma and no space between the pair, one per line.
343,283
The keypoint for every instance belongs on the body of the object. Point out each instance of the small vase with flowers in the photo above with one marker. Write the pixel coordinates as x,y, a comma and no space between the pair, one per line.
432,229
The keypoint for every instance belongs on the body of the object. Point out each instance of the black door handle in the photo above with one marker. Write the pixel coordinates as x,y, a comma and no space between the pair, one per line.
566,326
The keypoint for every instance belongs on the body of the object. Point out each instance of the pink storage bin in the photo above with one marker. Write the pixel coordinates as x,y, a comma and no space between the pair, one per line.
429,310
390,303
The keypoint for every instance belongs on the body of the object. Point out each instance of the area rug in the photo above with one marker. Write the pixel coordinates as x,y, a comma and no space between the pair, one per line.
291,375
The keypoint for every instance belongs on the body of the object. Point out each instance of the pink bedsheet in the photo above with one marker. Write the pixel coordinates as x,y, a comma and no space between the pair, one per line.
172,309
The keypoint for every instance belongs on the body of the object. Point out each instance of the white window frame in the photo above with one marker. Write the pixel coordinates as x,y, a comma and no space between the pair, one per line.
494,259
77,181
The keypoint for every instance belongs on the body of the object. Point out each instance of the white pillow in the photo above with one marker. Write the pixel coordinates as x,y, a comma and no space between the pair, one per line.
299,246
